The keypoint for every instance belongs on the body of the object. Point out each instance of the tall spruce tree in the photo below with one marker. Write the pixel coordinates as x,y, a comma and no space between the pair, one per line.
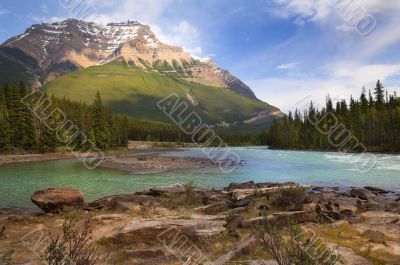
27,122
379,94
99,124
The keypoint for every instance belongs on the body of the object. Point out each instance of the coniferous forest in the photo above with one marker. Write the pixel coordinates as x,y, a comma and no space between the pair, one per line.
22,131
370,122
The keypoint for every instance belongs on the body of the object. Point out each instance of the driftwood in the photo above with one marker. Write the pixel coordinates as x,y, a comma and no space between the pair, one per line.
240,194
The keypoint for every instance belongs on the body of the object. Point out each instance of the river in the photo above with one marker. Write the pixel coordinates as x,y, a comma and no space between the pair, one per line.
20,180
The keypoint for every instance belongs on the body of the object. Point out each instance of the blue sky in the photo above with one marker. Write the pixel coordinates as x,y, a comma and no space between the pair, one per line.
285,50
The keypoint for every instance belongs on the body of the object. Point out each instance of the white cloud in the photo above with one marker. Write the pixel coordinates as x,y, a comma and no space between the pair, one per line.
4,11
288,66
338,80
152,13
44,8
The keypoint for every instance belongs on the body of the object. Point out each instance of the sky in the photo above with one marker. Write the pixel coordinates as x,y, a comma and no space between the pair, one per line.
285,50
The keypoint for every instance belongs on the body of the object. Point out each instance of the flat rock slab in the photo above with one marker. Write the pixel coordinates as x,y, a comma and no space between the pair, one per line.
380,218
153,230
110,217
56,199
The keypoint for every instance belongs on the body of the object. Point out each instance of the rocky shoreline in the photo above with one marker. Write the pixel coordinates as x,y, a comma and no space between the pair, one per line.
144,164
362,225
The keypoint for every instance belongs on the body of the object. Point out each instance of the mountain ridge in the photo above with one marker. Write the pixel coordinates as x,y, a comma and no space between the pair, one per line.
128,57
70,45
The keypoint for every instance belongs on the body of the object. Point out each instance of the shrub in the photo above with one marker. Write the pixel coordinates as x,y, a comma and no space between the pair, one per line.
74,246
290,198
191,198
293,246
6,258
376,237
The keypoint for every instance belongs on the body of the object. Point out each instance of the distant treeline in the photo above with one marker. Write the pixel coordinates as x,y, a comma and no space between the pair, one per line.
21,130
372,121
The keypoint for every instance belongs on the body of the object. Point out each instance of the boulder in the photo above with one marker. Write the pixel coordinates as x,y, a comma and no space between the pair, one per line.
54,200
363,194
152,230
380,218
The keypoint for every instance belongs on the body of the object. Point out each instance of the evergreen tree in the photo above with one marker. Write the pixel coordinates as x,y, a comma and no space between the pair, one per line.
379,94
99,124
26,122
47,139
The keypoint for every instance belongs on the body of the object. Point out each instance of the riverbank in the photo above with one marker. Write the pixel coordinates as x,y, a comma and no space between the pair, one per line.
133,147
177,223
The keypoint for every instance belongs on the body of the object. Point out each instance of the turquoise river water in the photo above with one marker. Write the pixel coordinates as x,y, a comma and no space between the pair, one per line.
19,181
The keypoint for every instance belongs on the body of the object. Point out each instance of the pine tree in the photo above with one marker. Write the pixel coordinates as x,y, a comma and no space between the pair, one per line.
47,139
5,141
26,122
379,94
99,124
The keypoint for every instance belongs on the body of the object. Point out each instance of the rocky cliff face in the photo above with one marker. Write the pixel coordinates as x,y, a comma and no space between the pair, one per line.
46,51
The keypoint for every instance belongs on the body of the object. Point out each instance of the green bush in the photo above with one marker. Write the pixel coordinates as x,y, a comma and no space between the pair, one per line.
293,246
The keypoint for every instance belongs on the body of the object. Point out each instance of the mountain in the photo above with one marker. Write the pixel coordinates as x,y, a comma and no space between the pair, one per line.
130,67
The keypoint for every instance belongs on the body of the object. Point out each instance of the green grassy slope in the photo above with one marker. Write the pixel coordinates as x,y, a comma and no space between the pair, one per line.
134,92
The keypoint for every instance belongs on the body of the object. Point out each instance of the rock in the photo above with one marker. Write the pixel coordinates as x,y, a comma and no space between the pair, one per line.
363,194
377,191
347,207
211,198
327,212
313,197
55,200
214,208
239,194
124,202
242,203
245,185
234,222
380,218
149,231
295,216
